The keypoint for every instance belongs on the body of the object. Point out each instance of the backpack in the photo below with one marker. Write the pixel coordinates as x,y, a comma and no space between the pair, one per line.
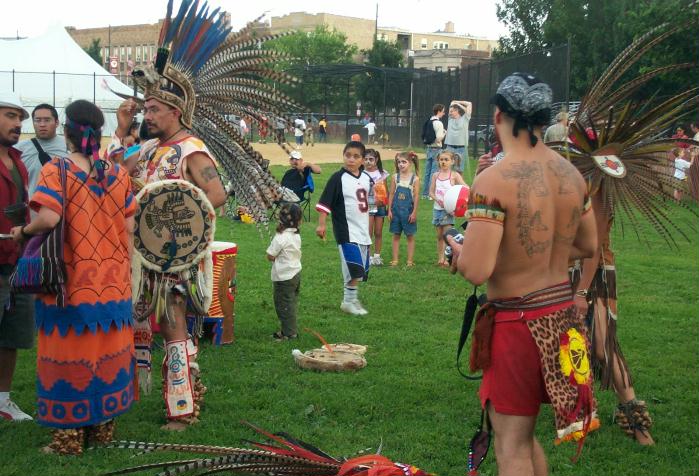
428,133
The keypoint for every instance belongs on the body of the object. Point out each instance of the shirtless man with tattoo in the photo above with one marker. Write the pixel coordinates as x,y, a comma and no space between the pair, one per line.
528,215
173,153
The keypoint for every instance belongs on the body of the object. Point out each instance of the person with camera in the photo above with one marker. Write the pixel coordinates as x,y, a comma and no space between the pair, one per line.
528,215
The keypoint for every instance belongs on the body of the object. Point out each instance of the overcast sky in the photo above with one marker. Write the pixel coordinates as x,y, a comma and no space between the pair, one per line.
32,17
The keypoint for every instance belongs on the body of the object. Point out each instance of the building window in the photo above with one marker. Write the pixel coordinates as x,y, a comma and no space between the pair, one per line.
128,53
423,43
152,52
438,69
138,53
440,45
122,53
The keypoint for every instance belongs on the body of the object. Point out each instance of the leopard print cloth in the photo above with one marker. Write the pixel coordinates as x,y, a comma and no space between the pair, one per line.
546,332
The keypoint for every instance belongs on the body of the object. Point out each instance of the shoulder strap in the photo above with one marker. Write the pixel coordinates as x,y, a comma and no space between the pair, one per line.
472,303
43,156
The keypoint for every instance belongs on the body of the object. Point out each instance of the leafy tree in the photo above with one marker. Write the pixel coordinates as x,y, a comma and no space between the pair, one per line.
95,51
598,30
372,85
320,46
524,20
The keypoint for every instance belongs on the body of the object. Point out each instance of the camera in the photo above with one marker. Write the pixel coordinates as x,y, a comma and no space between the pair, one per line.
458,237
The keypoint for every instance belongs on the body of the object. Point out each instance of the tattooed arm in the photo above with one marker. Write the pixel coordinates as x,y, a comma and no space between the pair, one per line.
477,257
204,175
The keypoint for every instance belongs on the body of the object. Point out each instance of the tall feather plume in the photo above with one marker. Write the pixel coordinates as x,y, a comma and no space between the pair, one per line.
230,73
608,119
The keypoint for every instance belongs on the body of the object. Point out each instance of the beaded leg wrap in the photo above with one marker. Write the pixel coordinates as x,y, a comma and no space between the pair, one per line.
632,416
70,441
182,375
101,434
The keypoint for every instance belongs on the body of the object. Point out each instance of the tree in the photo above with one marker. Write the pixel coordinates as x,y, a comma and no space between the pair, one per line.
598,30
95,51
371,86
320,46
524,20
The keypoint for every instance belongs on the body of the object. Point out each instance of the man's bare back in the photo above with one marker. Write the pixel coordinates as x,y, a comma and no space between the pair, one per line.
543,196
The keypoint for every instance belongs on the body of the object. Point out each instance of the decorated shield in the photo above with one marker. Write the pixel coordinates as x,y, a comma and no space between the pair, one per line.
607,159
175,225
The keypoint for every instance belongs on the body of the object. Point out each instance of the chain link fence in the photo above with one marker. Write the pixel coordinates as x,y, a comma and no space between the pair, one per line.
399,100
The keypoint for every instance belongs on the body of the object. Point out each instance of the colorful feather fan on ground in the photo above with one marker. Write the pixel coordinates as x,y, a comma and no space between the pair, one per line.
616,144
288,456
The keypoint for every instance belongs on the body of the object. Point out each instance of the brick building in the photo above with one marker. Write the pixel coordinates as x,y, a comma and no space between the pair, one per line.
130,45
133,45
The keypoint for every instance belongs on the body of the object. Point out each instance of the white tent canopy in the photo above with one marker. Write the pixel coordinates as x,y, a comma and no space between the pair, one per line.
53,69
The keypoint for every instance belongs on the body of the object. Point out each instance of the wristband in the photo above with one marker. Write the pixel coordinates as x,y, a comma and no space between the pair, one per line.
581,293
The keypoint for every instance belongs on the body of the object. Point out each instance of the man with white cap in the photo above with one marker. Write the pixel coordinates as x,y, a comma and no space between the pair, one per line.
16,314
295,179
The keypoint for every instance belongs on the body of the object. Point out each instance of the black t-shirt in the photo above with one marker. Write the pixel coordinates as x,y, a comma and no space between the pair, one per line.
295,180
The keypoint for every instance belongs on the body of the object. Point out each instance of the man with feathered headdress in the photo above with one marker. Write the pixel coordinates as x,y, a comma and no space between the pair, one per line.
615,143
202,75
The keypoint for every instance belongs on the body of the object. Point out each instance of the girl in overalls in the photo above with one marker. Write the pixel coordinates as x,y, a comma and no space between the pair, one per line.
403,199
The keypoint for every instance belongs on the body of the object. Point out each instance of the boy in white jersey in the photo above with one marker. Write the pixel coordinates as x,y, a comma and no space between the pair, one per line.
346,198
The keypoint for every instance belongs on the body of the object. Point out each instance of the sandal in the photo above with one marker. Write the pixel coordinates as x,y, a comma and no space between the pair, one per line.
410,264
393,263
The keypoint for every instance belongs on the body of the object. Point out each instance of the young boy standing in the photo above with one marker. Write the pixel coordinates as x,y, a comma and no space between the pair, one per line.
346,198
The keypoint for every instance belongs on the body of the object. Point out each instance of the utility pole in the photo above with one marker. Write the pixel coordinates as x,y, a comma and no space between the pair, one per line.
376,23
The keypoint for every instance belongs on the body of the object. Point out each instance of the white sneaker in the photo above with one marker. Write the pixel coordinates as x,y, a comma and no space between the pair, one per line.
10,411
372,261
377,260
363,311
352,307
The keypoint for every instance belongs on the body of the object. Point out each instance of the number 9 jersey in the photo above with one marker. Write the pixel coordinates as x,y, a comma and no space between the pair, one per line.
346,199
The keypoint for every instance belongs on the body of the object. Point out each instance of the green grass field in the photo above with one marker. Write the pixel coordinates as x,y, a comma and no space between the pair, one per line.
410,397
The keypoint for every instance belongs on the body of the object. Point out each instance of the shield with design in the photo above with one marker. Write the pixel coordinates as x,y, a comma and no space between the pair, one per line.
175,226
607,159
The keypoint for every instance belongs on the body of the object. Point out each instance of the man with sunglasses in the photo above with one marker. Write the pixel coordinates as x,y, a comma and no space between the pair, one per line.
45,146
528,215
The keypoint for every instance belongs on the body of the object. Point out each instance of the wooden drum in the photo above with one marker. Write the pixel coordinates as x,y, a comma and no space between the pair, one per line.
223,300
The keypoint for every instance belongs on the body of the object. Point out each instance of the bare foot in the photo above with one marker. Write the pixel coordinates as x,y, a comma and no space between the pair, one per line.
643,438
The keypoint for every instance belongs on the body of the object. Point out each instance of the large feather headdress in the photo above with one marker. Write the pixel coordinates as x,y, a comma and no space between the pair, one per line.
617,143
209,73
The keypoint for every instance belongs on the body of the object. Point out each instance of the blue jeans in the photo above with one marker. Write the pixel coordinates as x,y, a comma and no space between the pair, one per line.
463,153
430,168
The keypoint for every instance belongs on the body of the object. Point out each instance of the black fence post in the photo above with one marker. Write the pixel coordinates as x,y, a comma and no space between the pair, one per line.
54,88
13,80
385,78
94,87
478,108
568,74
347,134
